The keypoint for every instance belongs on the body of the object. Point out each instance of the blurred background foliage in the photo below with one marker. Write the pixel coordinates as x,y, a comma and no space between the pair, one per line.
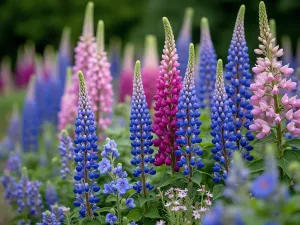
43,20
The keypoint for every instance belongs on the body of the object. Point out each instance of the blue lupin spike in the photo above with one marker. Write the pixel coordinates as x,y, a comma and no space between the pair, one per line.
85,155
188,122
207,67
221,128
238,86
141,137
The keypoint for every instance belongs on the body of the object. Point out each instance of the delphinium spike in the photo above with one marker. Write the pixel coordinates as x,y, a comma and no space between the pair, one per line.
86,188
150,69
207,66
238,86
283,111
126,77
66,150
222,128
30,120
184,39
99,83
166,101
84,50
188,122
141,137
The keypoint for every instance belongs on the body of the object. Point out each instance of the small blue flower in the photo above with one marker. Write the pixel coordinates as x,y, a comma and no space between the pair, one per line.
110,188
214,216
264,185
110,218
130,203
104,166
123,186
110,149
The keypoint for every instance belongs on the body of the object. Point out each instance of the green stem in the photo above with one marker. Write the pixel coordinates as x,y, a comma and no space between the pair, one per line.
278,128
118,210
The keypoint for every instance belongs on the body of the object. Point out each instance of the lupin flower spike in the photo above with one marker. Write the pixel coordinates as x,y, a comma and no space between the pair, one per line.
126,78
99,82
66,150
6,75
238,86
64,58
188,122
207,66
184,39
166,102
67,101
141,137
115,57
85,49
222,128
49,219
30,120
270,83
150,69
86,188
51,195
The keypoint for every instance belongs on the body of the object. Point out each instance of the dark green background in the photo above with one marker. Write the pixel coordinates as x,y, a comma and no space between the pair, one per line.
43,20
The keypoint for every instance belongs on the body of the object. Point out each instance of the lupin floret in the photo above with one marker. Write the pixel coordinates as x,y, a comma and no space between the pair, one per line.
86,188
188,122
238,86
141,137
222,128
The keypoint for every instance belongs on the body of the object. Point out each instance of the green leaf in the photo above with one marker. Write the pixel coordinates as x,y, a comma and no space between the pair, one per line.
135,214
165,181
143,200
104,209
293,204
197,177
256,166
218,191
292,143
111,198
270,138
88,221
152,213
284,164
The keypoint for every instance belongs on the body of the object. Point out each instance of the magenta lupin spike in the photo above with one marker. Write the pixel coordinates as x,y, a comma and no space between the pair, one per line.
166,101
126,78
84,50
150,69
99,82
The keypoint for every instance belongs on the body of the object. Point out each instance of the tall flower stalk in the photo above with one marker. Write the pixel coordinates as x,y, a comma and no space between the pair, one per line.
99,82
166,101
207,66
86,187
141,137
238,86
184,39
188,122
222,128
126,77
271,80
150,69
84,50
